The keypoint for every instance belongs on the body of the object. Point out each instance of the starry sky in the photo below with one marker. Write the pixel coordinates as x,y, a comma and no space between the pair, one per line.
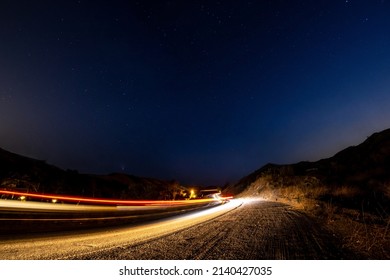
204,92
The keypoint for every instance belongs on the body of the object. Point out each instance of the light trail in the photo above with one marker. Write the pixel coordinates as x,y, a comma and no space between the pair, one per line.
19,212
68,245
115,202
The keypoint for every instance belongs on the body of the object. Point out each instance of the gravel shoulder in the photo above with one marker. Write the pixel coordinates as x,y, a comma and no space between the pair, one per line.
257,229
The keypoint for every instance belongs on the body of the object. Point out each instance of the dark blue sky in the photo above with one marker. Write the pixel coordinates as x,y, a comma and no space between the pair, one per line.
204,92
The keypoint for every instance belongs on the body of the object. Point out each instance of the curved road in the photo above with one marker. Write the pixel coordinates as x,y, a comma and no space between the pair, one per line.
240,229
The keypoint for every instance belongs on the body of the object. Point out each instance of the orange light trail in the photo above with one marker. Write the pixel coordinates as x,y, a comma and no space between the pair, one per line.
77,199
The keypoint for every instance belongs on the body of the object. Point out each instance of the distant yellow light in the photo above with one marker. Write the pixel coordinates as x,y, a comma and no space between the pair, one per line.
192,194
22,198
54,200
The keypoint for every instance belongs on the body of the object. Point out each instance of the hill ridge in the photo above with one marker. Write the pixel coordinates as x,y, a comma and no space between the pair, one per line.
364,168
20,172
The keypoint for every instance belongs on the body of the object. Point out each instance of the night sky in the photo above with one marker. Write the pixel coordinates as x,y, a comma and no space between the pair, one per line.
204,92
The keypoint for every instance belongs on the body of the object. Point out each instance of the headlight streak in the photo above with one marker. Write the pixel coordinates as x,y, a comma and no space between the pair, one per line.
38,213
96,205
116,202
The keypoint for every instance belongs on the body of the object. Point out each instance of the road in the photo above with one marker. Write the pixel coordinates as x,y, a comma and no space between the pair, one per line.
41,216
240,229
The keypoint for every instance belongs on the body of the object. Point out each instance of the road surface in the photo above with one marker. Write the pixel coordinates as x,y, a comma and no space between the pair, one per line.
240,229
18,216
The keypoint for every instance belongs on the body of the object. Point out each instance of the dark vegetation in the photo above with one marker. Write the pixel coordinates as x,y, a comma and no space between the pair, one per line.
349,192
31,175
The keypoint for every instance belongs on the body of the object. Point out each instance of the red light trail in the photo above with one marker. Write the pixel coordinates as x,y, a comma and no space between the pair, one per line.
90,200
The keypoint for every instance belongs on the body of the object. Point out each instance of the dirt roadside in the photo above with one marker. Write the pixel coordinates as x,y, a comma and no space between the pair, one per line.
258,229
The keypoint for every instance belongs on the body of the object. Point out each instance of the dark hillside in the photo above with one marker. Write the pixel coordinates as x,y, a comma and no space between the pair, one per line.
349,193
26,174
363,171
